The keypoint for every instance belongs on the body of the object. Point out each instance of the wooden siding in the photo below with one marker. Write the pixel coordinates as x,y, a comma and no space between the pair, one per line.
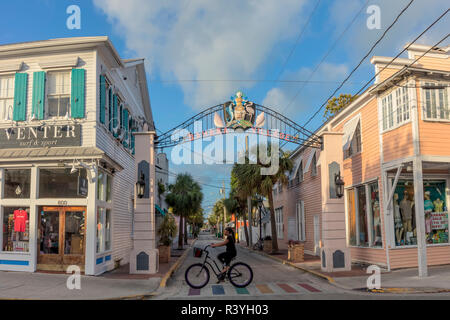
124,181
386,73
434,135
435,63
407,258
308,191
398,143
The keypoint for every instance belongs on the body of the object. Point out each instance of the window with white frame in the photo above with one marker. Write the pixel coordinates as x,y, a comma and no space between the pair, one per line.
436,104
58,94
279,222
6,97
314,166
363,216
104,184
355,145
395,108
300,214
299,176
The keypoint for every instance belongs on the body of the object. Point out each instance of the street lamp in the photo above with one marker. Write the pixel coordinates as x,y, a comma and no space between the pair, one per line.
140,186
339,185
260,204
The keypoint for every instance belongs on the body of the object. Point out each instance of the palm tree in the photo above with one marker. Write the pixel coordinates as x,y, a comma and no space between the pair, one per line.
249,178
241,190
196,206
184,197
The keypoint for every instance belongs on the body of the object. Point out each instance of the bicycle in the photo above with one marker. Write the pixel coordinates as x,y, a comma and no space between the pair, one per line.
259,245
197,275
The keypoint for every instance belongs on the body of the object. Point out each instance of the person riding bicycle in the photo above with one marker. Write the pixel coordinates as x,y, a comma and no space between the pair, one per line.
229,254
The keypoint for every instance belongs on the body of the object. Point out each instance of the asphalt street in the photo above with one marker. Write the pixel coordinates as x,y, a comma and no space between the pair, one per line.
272,281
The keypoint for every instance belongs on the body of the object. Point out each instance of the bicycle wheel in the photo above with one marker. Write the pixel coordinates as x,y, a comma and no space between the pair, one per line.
197,276
240,275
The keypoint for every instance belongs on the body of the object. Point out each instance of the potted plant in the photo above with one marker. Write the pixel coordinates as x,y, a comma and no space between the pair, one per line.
166,232
296,251
268,244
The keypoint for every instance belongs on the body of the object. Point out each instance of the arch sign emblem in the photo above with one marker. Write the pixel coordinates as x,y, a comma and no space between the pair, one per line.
239,113
237,116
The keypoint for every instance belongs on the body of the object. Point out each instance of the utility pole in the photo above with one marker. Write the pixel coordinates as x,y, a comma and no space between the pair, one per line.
224,208
249,202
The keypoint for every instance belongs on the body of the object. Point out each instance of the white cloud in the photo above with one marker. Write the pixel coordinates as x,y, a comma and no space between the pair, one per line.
412,22
204,39
324,79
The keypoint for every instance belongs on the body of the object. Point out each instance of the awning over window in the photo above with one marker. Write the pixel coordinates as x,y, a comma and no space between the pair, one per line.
296,167
349,131
308,163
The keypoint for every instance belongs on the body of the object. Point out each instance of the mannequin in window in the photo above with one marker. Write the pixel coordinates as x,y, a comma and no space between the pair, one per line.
438,205
376,223
428,207
406,211
397,220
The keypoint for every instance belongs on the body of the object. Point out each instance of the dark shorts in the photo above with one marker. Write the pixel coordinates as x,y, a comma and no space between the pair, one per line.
225,257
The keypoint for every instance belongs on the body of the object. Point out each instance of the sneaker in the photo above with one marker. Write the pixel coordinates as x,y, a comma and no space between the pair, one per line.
221,277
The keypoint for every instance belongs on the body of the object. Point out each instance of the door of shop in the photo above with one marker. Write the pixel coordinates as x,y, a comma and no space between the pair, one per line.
61,238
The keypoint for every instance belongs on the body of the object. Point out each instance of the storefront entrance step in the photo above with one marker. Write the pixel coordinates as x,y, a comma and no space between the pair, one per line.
54,268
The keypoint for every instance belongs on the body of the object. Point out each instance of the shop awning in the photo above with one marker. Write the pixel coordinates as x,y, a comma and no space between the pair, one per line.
161,211
349,131
57,153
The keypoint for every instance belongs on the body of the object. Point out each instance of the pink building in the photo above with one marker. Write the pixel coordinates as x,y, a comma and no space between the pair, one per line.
395,162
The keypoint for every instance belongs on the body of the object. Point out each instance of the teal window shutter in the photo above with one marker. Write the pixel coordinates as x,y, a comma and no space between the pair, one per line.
133,141
38,106
126,127
121,116
78,93
115,102
110,109
20,97
102,98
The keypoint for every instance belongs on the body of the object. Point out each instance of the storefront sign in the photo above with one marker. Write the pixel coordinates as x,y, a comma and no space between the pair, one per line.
439,220
40,136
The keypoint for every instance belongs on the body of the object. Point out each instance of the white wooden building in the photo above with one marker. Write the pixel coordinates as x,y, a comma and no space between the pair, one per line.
68,108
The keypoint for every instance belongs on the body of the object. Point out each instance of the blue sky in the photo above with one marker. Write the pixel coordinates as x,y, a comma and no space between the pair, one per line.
233,40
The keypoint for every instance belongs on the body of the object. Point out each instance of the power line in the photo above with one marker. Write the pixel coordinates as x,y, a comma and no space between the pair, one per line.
173,174
360,62
393,59
326,55
298,40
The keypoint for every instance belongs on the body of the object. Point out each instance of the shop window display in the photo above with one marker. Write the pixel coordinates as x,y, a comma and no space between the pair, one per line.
17,183
435,209
404,214
436,214
16,229
362,217
60,183
351,216
375,215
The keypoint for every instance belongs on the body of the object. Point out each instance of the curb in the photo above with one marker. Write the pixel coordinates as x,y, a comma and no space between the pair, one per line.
175,267
409,290
317,274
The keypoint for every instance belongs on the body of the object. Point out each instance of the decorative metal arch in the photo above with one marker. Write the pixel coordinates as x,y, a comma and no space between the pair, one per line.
290,130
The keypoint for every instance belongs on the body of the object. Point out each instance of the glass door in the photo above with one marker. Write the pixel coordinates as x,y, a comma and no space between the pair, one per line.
50,237
74,236
61,237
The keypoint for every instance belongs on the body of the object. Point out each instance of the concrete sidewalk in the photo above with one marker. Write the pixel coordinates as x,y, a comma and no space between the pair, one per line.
397,281
43,286
403,281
